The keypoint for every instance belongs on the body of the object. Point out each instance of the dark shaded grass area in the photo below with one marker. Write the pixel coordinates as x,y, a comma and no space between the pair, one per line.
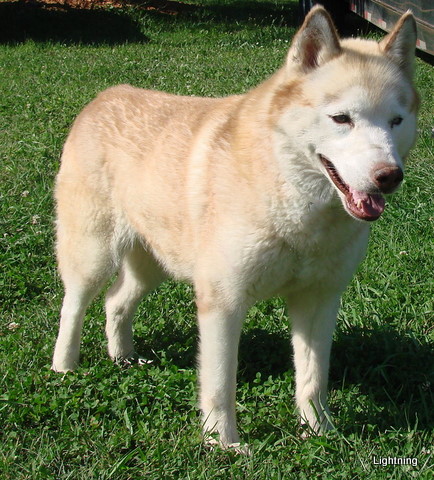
22,20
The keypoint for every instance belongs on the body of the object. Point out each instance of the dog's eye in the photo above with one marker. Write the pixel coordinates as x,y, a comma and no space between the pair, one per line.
341,119
396,121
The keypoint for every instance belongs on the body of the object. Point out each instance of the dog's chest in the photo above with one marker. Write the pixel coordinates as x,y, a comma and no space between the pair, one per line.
325,255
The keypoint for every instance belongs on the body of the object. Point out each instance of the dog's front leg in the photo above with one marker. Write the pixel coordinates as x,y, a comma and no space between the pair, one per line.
313,316
219,328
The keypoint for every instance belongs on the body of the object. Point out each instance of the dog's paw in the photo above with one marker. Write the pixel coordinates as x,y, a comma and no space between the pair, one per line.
240,449
131,360
236,447
306,431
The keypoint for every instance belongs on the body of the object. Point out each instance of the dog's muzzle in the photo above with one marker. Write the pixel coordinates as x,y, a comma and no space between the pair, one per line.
363,205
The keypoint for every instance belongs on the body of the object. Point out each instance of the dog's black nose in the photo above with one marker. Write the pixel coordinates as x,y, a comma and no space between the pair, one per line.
388,178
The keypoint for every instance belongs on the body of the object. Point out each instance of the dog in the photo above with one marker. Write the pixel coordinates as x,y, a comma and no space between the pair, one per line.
246,197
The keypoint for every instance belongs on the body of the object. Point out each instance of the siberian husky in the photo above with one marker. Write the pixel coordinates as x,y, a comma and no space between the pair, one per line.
246,197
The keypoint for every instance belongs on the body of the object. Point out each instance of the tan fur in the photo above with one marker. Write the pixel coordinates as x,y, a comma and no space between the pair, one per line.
231,195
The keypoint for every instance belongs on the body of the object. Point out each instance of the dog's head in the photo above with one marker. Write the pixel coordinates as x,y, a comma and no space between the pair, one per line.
353,108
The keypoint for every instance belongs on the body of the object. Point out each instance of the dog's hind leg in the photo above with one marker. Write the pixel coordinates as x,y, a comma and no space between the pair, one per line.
313,316
85,264
138,275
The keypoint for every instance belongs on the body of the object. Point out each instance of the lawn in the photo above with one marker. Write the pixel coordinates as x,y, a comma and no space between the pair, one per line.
107,422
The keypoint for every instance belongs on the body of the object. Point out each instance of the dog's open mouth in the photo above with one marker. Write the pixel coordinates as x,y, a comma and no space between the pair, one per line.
361,205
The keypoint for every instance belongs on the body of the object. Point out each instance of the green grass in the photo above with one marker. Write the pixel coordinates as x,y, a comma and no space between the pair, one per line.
104,422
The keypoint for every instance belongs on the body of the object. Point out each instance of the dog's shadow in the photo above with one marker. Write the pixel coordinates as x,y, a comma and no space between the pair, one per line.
389,374
392,374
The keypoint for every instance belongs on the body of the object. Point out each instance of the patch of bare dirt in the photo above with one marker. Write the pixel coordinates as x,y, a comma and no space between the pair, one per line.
169,7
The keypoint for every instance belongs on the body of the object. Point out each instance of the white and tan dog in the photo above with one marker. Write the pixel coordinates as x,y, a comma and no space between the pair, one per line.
246,197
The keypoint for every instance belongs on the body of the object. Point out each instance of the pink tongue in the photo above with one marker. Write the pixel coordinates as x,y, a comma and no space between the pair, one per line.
367,205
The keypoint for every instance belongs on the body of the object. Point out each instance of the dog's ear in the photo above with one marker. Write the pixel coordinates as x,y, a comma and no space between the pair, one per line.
316,42
400,43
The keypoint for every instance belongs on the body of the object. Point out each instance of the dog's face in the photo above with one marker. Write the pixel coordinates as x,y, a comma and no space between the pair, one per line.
364,128
357,116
